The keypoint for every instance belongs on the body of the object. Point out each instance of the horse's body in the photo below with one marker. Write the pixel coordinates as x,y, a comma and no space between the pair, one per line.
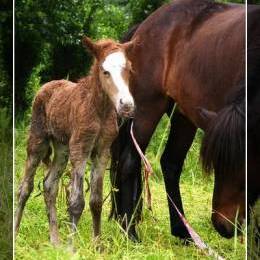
191,53
253,104
80,121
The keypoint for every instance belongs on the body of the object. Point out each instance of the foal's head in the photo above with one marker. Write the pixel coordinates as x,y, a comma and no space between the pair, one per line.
114,70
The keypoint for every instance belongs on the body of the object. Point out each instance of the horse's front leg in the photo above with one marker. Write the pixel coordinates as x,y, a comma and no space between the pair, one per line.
181,135
99,162
129,165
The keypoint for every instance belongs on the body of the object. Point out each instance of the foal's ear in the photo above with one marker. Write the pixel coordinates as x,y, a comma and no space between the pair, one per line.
92,47
129,46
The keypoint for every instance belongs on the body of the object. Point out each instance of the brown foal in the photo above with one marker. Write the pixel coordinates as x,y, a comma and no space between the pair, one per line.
79,120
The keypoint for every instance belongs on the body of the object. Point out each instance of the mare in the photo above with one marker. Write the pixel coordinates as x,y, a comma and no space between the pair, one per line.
79,120
253,120
253,105
191,53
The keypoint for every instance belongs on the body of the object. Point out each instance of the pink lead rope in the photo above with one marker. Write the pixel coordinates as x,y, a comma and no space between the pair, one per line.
148,171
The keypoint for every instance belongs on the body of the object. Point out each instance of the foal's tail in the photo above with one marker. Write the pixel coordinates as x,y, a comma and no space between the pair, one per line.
223,146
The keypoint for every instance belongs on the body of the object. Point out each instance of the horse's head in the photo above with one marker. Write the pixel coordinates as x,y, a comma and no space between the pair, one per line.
223,151
114,71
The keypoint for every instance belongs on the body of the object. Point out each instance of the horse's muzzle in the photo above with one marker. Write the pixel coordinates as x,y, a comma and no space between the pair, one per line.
225,227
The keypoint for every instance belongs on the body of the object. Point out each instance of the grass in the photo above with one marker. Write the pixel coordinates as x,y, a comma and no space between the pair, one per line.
253,236
6,188
157,242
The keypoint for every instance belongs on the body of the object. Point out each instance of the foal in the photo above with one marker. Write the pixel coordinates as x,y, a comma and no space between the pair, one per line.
80,121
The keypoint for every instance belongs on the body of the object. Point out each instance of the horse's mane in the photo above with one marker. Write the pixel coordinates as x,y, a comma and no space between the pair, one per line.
194,13
223,146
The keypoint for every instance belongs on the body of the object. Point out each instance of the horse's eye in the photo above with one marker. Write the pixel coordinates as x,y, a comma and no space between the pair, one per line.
106,73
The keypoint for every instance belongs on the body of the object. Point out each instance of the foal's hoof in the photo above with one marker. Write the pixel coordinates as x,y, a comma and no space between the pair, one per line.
100,248
55,242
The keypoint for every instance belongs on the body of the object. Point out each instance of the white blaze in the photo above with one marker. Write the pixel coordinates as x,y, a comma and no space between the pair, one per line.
115,63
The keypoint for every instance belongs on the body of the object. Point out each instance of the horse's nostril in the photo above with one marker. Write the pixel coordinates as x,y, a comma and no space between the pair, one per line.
121,101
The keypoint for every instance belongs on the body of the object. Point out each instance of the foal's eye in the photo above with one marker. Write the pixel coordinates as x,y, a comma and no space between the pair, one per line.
106,73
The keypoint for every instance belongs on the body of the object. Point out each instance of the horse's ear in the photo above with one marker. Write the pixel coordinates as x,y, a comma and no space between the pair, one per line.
91,47
206,116
129,46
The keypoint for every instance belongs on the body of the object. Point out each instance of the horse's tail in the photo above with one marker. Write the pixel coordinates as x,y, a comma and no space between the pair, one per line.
39,122
223,145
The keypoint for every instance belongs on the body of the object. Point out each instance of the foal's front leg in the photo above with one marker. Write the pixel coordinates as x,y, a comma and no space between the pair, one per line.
76,203
99,162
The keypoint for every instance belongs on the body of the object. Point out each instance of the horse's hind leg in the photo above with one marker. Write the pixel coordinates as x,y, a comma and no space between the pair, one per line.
96,192
36,151
179,141
51,186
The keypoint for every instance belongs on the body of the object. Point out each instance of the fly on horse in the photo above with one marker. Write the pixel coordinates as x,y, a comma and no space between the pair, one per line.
196,61
79,120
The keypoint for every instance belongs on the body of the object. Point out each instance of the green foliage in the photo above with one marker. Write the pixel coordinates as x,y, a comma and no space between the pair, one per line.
6,187
253,233
60,26
253,2
34,81
6,55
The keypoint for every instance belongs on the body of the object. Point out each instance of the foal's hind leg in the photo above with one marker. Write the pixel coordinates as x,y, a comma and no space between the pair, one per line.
96,193
36,151
51,186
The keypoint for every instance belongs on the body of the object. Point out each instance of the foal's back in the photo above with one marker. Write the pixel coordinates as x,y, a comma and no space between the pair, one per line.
57,108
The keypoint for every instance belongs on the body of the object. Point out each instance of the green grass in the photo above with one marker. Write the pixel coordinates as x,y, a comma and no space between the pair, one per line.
6,188
253,235
157,242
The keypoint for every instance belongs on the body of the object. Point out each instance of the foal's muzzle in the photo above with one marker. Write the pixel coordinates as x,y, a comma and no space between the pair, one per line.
126,109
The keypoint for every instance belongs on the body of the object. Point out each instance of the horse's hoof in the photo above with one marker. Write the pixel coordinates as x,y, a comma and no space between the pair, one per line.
182,233
98,245
134,237
187,241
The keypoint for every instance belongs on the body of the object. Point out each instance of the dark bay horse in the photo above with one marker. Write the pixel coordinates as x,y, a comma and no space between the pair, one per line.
253,105
80,121
190,53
